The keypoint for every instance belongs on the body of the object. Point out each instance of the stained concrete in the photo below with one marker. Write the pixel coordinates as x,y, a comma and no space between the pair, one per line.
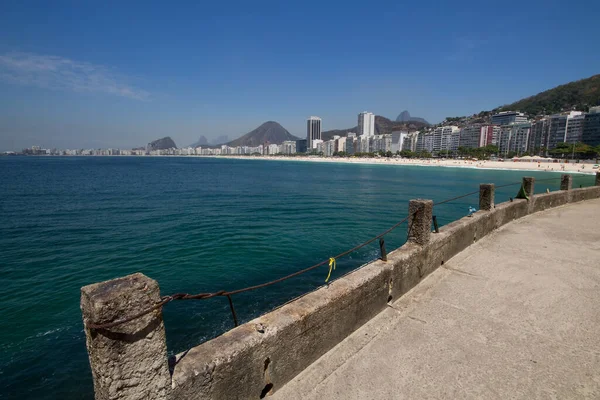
515,315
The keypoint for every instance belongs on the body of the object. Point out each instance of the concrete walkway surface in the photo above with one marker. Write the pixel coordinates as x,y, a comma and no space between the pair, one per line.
515,316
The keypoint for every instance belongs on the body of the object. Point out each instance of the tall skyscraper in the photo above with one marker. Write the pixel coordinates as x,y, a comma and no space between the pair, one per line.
366,123
313,132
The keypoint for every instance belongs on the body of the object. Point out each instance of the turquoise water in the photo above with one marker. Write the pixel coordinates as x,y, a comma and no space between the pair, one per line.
194,225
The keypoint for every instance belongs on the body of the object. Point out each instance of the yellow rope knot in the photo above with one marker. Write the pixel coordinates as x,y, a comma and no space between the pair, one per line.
331,264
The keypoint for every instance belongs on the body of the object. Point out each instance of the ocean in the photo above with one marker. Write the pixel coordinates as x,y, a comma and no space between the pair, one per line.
194,225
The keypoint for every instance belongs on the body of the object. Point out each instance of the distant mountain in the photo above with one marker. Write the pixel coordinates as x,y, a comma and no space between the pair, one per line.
202,141
270,132
328,135
382,126
161,144
577,95
405,117
220,140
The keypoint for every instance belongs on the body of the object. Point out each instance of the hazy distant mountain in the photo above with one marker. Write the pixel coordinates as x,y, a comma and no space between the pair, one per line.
382,126
405,117
220,140
270,132
161,144
202,141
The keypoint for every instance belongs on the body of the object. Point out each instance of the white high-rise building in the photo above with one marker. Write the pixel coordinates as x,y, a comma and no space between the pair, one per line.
398,138
313,132
442,138
508,118
575,128
366,123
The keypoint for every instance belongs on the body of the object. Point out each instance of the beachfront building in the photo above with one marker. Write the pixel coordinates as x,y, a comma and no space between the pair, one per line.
470,136
489,135
366,123
364,144
538,137
398,138
351,143
410,141
313,132
420,144
443,138
301,146
320,147
574,131
428,142
288,147
340,144
514,138
557,131
474,136
520,138
455,140
273,149
256,150
381,143
591,127
329,148
315,148
508,118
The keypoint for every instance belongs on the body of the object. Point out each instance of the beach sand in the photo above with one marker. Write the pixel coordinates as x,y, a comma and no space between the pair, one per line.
481,164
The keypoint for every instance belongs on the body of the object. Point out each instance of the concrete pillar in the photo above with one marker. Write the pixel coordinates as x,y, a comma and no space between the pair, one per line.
419,221
597,178
528,185
129,361
566,182
486,196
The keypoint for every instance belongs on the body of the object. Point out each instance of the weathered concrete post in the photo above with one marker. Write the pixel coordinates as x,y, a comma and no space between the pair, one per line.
486,196
566,182
528,185
597,178
419,221
129,361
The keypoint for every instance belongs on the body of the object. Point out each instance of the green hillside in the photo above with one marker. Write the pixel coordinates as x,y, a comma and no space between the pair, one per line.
578,95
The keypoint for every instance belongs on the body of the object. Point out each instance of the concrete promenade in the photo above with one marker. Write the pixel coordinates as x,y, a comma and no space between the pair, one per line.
515,315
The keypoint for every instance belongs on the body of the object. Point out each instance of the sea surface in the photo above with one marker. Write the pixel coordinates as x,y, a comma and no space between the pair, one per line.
194,225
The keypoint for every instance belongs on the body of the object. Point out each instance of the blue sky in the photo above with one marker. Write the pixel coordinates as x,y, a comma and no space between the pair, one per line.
119,74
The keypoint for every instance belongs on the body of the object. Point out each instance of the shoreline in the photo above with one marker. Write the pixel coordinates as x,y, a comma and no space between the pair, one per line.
568,168
571,168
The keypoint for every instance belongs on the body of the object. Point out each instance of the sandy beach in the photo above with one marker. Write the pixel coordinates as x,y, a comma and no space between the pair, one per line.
582,168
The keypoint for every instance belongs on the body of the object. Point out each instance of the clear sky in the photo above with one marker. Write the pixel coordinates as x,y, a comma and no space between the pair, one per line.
119,74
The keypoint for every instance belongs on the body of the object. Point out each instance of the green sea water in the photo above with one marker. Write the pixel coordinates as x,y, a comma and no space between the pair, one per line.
194,225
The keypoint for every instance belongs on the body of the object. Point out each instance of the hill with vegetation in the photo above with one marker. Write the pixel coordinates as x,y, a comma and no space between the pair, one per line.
578,95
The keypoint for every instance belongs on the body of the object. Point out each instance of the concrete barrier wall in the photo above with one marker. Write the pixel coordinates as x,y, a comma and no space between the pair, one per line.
255,359
260,356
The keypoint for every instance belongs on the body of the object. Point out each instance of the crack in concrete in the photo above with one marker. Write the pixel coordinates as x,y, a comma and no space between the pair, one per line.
458,271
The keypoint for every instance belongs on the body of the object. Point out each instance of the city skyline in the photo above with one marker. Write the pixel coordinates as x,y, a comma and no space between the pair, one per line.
70,79
510,134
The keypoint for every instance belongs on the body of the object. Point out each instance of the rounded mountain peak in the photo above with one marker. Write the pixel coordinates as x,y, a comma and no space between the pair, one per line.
403,117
